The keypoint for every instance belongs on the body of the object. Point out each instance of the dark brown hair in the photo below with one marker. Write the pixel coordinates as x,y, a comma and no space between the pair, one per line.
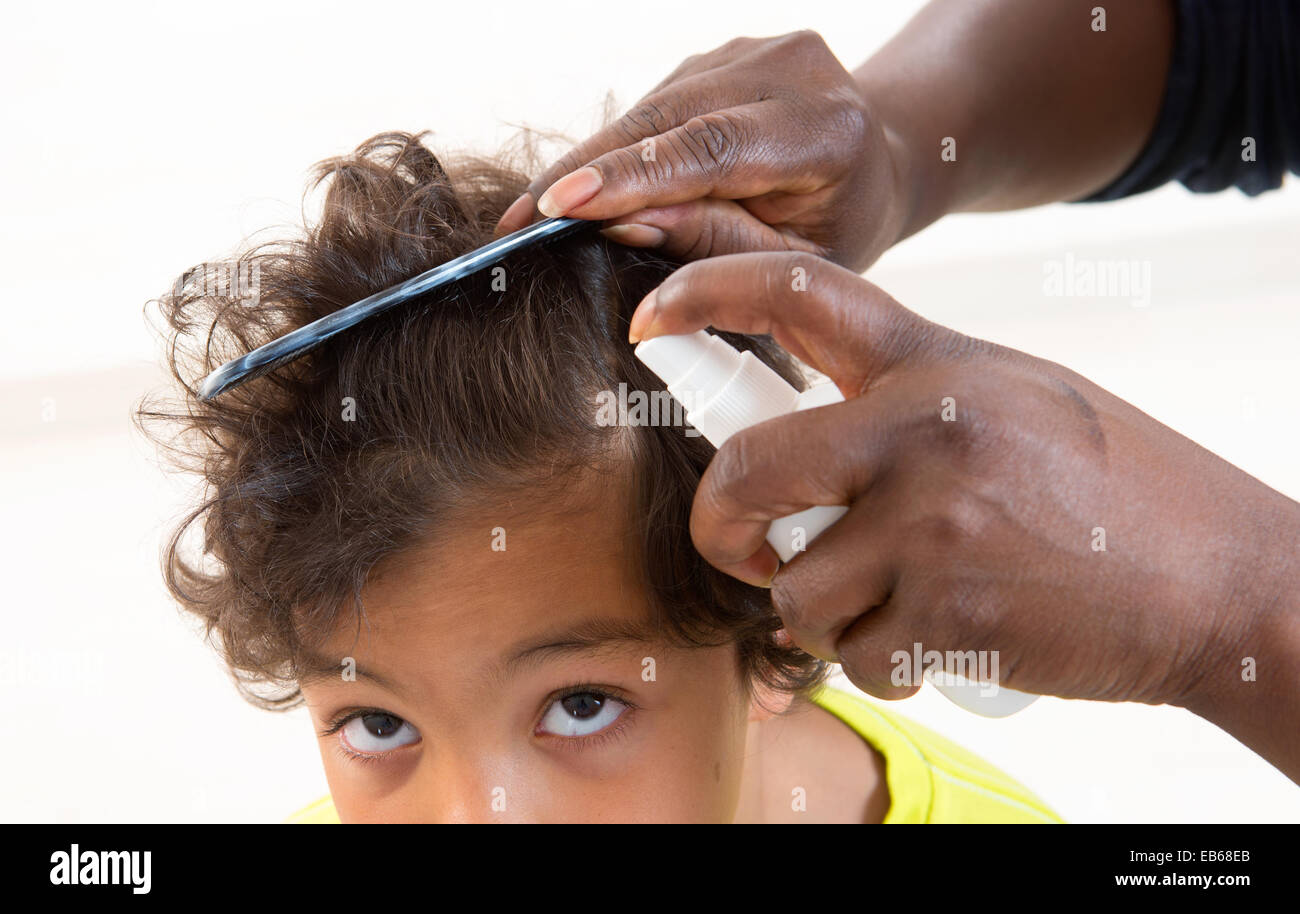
461,393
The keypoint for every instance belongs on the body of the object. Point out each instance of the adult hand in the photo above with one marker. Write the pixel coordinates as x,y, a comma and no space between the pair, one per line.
761,144
999,502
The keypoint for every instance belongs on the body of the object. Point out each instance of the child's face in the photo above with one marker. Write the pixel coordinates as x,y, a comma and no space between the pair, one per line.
501,701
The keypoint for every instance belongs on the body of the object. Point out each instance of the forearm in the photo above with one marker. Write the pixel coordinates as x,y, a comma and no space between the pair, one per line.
1039,106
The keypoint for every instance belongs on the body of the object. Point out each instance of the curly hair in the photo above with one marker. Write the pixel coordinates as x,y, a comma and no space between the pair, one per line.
459,393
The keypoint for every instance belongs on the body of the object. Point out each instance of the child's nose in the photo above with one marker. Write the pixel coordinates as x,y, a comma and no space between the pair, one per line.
469,790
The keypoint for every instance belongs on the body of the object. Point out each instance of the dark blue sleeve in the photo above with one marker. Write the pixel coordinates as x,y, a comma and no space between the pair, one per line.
1235,74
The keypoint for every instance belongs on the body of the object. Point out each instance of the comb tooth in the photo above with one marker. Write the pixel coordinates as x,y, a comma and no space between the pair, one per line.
300,341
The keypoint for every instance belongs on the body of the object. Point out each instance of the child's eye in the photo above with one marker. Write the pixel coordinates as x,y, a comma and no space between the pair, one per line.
581,714
378,732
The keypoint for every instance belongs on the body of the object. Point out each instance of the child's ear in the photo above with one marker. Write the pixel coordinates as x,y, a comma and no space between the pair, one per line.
768,702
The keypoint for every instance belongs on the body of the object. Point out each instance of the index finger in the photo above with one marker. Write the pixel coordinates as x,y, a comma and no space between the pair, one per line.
696,139
825,315
657,113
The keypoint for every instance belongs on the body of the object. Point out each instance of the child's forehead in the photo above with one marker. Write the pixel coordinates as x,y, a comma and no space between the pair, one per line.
511,565
447,617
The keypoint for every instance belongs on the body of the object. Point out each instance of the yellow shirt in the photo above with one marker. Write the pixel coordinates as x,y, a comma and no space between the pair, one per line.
930,779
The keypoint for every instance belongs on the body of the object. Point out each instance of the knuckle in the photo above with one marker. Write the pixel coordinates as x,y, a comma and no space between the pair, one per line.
649,117
936,535
954,518
959,437
710,140
811,37
740,42
971,612
848,123
784,268
628,165
802,38
807,45
973,433
803,260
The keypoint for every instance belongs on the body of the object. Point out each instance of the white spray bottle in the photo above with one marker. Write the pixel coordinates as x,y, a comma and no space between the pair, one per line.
724,390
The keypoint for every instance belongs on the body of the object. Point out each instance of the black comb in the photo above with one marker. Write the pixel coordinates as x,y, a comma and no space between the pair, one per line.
298,342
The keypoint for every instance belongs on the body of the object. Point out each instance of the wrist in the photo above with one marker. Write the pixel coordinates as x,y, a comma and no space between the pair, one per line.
1249,679
922,184
906,204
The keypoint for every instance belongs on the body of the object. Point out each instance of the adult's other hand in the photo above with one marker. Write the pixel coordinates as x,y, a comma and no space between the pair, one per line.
761,144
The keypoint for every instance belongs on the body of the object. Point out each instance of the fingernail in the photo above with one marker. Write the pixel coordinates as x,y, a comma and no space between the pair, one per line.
635,235
643,317
571,191
759,578
521,212
782,637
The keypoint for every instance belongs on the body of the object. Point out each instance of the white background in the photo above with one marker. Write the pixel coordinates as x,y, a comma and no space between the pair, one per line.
143,139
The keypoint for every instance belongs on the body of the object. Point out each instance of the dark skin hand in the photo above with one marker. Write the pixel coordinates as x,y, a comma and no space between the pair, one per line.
981,533
976,533
734,163
771,144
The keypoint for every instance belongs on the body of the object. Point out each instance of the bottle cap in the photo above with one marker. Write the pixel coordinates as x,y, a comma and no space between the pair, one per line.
723,390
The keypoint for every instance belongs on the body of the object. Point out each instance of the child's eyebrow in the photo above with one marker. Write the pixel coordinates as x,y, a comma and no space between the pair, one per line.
312,667
589,636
